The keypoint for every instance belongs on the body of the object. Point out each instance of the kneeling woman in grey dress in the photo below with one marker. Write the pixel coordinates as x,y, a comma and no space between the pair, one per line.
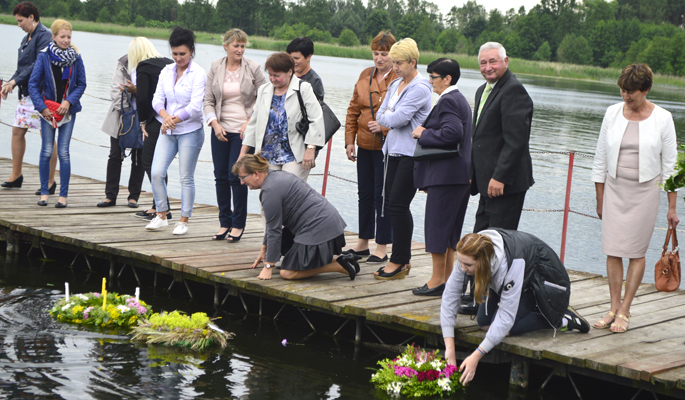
301,224
636,151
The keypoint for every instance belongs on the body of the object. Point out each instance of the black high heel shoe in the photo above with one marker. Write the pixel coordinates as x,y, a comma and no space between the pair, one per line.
15,183
234,239
51,190
221,236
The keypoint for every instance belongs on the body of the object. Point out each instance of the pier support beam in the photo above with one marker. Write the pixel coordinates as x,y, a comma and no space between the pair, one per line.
13,239
519,374
358,331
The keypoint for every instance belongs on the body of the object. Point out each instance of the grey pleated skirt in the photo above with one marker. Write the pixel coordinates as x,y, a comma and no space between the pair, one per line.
301,257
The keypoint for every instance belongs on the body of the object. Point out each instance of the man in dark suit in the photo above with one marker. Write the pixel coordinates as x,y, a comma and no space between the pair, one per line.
501,167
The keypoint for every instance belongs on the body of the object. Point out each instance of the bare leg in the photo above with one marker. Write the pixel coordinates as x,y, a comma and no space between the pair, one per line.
332,267
183,219
615,277
636,270
381,250
438,277
18,150
53,165
362,244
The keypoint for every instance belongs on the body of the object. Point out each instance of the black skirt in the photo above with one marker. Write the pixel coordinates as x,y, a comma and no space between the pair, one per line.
301,257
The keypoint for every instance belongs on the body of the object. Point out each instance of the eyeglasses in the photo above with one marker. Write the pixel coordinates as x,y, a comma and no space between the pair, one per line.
434,77
242,178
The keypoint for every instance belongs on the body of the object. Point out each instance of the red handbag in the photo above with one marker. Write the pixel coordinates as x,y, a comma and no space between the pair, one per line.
53,105
667,269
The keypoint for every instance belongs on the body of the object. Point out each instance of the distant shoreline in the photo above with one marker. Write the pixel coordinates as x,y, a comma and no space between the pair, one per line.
518,66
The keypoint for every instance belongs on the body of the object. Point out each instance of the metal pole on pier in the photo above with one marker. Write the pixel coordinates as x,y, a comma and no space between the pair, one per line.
569,178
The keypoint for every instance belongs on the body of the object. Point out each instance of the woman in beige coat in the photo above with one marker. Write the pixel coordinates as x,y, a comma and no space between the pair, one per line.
230,95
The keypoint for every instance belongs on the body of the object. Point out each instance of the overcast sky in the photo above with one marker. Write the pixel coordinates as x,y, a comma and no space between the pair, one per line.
502,5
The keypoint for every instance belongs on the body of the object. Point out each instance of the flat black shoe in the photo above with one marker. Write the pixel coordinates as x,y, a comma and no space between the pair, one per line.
399,273
376,260
15,183
133,204
51,190
150,217
110,203
347,263
575,321
42,203
143,214
357,253
60,205
425,291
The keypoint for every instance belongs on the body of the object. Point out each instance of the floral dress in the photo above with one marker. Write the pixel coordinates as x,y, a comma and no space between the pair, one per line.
276,147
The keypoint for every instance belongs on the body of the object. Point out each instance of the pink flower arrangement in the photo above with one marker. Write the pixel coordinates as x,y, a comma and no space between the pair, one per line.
132,303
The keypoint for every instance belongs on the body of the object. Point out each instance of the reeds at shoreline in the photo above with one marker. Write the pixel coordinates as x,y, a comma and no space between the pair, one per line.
518,66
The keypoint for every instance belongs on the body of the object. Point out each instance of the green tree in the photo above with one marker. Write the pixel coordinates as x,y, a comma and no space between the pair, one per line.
377,21
544,52
426,35
318,36
451,41
408,25
140,21
104,16
270,14
575,50
658,55
348,38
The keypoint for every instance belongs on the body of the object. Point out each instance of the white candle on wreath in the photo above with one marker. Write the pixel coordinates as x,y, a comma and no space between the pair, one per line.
137,294
66,290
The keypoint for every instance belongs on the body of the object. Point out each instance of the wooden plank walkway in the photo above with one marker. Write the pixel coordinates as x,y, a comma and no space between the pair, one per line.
652,351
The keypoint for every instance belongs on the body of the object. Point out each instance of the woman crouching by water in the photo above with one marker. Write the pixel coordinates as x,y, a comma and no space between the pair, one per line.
522,287
290,205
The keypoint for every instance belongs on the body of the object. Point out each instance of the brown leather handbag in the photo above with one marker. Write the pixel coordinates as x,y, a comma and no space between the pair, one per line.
667,269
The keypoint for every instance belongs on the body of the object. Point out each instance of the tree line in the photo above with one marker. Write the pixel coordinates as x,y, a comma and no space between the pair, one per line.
591,32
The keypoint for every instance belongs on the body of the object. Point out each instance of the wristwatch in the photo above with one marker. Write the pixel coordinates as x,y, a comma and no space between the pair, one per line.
268,266
311,146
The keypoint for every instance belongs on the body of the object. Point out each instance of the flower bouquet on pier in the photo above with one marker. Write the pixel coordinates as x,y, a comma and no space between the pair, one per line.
195,332
416,373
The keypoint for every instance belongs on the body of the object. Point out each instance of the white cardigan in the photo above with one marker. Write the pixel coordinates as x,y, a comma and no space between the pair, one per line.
256,128
657,145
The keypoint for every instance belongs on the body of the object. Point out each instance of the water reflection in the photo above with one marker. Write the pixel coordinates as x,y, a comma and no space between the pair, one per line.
567,117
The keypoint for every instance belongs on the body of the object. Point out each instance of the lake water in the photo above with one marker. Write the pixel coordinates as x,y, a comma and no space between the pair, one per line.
46,360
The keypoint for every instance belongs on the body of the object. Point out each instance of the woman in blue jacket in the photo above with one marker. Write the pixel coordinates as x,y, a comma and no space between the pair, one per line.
58,76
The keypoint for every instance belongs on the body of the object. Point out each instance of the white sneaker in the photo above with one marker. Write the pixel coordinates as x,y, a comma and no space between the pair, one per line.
181,228
156,223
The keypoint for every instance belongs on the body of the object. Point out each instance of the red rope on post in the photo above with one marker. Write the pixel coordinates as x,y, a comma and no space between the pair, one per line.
325,169
569,178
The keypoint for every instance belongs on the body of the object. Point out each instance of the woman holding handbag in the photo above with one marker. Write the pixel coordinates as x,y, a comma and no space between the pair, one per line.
230,95
272,130
57,83
36,39
636,151
445,180
366,100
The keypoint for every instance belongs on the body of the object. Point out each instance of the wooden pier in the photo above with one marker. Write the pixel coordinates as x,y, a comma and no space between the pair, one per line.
650,356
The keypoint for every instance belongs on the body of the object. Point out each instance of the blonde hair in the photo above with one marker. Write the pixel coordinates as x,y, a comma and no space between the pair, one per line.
235,35
140,49
479,247
405,50
250,163
60,24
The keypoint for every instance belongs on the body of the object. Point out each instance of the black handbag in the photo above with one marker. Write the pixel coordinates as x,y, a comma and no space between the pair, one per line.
427,153
130,132
330,121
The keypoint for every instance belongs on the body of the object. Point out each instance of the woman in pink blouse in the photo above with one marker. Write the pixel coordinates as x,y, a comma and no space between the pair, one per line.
230,95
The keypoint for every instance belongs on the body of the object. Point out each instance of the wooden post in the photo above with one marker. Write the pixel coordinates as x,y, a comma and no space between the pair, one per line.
358,331
569,180
12,242
519,372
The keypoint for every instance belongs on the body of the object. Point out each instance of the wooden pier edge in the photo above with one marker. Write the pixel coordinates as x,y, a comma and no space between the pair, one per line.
650,356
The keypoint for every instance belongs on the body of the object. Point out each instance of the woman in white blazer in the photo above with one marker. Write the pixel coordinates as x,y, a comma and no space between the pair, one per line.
271,129
636,151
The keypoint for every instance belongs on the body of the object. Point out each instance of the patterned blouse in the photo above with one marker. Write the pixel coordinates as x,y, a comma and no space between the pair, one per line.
276,148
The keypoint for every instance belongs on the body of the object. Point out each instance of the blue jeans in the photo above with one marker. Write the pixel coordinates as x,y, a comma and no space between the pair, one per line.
224,155
370,185
188,146
47,134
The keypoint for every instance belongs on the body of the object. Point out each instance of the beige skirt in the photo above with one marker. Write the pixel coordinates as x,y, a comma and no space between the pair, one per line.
629,214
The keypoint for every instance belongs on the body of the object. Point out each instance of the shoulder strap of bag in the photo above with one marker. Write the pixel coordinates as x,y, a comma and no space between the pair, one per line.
373,113
303,109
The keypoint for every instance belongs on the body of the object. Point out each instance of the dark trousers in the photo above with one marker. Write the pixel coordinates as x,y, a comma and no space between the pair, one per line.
149,145
399,185
224,155
528,316
135,180
370,185
445,210
499,212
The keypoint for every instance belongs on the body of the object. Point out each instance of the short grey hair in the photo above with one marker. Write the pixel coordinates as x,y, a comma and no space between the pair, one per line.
494,46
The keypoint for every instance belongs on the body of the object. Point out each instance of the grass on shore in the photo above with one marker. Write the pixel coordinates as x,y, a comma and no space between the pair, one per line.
519,66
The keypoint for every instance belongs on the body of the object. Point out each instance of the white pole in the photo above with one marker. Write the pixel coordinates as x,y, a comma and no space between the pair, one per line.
66,290
137,294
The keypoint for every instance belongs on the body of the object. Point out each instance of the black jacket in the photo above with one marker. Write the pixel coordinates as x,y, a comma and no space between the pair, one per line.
501,136
28,52
147,75
544,273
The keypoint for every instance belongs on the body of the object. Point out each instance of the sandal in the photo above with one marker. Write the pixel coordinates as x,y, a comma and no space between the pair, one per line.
221,236
399,273
621,328
601,324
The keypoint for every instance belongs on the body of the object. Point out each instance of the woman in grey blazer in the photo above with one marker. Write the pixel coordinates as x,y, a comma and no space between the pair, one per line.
230,95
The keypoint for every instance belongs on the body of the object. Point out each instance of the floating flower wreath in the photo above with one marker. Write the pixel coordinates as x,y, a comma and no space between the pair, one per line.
93,309
417,373
195,332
